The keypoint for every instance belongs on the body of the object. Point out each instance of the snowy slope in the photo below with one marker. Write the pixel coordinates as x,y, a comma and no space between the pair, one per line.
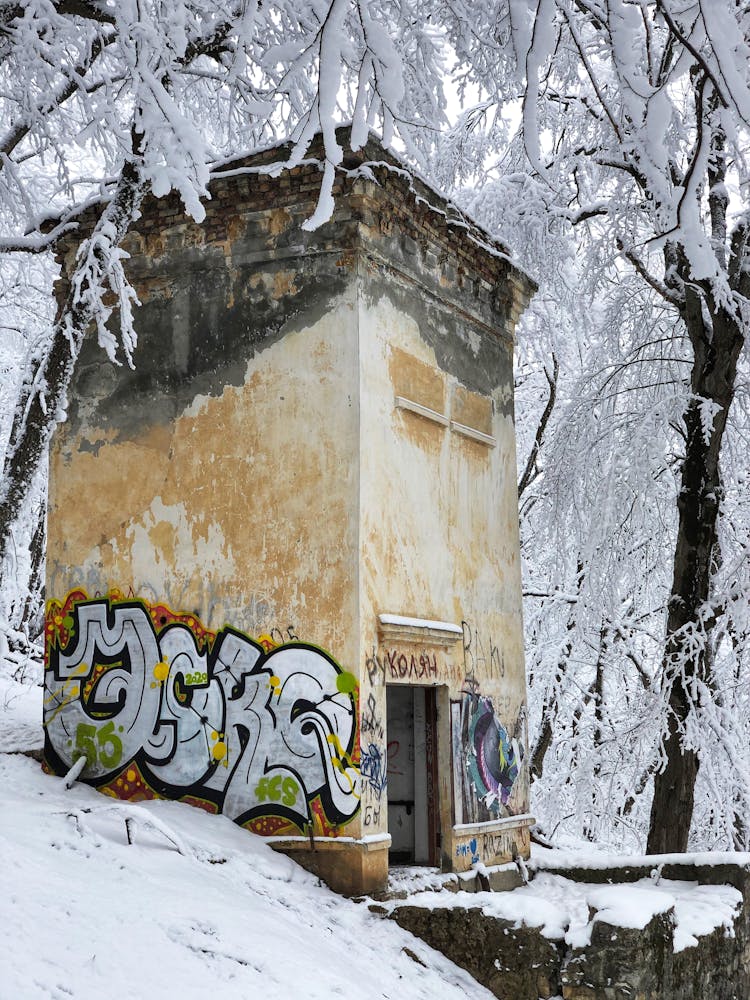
195,904
87,916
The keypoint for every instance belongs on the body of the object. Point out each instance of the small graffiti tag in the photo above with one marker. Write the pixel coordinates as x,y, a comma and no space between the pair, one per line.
371,723
413,665
481,657
373,765
468,850
400,666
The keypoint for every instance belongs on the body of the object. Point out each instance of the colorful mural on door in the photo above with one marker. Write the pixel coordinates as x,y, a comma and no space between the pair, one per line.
162,707
494,759
488,760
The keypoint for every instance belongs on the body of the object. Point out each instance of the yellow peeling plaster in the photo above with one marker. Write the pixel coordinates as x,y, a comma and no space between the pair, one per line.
439,519
239,512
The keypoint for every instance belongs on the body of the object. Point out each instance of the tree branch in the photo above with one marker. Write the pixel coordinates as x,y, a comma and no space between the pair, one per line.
529,472
658,286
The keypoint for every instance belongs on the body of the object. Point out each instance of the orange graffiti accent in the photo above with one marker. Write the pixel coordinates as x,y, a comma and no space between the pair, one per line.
321,826
58,622
162,616
129,785
272,826
204,804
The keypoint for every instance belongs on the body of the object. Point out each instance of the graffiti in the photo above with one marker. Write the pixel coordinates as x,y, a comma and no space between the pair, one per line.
372,815
491,760
412,666
393,753
469,849
370,722
489,848
481,656
276,637
497,845
375,668
160,706
400,666
373,766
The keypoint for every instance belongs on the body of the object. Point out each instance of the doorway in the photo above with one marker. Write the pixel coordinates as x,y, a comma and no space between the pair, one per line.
411,717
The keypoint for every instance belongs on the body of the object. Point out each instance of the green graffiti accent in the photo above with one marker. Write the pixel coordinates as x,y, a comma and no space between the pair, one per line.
196,678
102,744
346,683
277,790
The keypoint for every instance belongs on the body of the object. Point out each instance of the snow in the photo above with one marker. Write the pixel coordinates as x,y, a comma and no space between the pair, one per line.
600,860
20,707
420,623
195,904
87,915
561,908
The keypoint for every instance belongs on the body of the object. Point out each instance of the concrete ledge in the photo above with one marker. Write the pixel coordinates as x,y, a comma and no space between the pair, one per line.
471,829
348,866
421,630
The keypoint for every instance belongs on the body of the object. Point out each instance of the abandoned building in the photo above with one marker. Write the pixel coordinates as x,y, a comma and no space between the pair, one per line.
283,570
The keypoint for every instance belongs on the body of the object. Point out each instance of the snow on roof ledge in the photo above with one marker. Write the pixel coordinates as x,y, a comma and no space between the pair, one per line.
422,629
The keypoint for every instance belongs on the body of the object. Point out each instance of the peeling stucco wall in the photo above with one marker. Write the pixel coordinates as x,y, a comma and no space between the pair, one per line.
439,517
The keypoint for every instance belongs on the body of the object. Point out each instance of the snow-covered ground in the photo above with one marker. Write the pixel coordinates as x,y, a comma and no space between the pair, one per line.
196,905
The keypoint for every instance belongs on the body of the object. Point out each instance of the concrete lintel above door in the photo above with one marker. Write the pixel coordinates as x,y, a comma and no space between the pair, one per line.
423,630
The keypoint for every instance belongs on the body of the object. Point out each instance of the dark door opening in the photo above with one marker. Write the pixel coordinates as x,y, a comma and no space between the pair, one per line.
412,775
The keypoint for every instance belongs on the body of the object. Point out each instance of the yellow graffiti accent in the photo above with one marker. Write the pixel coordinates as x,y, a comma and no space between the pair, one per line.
336,744
67,693
66,701
342,761
161,671
79,671
219,751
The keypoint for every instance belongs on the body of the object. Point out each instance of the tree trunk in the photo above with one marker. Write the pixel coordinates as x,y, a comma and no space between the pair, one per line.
43,397
32,616
715,354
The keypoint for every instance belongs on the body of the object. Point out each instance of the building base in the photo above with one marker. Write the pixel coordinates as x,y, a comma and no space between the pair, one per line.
349,867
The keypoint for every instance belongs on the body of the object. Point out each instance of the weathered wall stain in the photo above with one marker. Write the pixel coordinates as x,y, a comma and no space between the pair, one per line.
161,706
200,518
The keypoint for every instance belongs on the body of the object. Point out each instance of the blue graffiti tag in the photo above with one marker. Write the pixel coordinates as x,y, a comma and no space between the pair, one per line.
470,849
373,766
